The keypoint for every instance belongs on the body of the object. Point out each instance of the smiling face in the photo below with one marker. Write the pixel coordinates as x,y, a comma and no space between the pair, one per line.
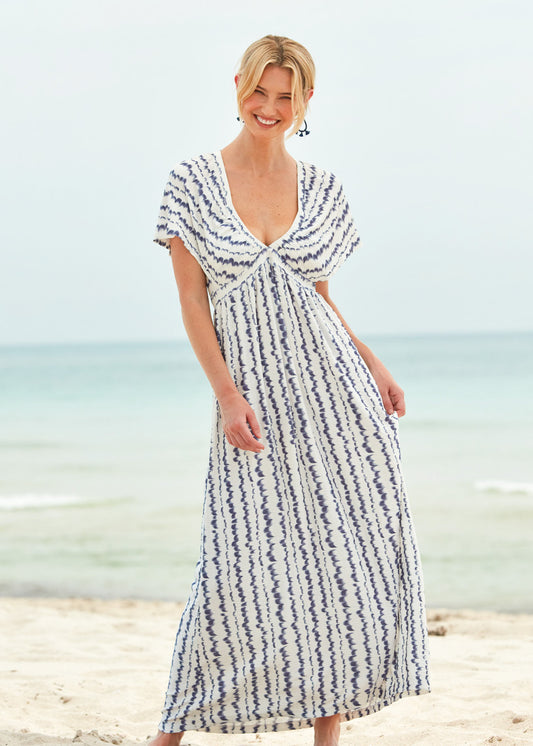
271,69
268,112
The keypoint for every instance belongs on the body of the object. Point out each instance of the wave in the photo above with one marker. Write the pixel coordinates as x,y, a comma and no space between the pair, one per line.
504,487
27,445
22,502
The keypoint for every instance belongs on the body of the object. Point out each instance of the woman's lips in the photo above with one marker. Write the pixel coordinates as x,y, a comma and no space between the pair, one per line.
266,122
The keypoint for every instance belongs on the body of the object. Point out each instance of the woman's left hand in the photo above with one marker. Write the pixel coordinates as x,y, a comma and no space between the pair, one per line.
391,393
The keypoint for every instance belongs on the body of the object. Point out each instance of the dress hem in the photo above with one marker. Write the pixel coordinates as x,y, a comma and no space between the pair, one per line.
273,725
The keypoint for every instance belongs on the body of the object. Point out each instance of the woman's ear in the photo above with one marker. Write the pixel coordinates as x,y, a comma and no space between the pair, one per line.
237,79
310,93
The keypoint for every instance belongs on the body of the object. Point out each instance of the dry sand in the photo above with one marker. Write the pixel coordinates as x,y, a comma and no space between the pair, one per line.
92,672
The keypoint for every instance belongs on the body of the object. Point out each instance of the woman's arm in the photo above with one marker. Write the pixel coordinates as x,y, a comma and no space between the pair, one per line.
238,418
391,393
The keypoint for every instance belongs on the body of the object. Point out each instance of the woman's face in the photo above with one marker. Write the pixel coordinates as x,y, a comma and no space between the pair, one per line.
268,111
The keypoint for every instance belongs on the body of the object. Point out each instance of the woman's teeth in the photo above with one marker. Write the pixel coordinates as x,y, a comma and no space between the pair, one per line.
266,121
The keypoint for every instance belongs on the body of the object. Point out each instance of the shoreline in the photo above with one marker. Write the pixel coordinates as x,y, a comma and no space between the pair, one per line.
111,599
92,671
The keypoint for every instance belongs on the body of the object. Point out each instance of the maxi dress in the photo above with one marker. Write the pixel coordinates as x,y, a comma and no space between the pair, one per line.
308,596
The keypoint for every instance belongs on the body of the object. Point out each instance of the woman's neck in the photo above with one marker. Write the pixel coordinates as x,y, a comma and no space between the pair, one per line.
259,155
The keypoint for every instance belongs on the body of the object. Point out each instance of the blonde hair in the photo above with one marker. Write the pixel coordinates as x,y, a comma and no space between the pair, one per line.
282,52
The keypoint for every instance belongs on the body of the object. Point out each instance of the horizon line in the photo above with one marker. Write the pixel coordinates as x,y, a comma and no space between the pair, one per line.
174,340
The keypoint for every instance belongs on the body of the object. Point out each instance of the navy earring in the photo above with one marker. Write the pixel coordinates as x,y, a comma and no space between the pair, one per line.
304,130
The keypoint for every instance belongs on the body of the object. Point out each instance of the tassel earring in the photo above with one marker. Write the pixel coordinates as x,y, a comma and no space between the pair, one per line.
304,130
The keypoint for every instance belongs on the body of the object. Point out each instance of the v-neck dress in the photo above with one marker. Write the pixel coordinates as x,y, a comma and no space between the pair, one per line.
308,597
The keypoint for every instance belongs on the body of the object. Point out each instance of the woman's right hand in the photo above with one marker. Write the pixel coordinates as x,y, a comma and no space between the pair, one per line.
240,423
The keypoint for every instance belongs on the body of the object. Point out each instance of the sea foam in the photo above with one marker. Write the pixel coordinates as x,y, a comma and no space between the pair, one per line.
504,487
21,502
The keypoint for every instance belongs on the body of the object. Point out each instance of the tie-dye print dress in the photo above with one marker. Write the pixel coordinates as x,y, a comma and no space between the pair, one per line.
307,598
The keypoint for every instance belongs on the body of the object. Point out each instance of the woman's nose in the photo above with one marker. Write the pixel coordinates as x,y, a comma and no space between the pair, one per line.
270,107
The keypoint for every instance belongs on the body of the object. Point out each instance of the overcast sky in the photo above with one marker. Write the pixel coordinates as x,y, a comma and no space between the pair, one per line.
423,109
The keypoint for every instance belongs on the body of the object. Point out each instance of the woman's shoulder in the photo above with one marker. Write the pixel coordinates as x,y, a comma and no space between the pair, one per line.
197,168
322,174
321,179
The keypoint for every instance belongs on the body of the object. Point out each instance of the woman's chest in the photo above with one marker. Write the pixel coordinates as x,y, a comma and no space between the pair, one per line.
267,207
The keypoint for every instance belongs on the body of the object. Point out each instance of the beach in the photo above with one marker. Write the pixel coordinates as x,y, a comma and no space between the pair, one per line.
91,671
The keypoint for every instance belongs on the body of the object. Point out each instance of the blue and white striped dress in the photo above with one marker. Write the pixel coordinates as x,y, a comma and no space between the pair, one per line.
308,595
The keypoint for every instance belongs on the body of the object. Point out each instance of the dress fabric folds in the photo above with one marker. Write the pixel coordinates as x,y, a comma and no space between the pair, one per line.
308,594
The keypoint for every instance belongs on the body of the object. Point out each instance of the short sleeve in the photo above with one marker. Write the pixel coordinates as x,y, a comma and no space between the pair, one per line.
344,235
175,217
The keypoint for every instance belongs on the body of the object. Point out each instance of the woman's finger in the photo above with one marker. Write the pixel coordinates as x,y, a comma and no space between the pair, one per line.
250,443
246,441
239,440
254,424
230,438
236,439
398,401
387,403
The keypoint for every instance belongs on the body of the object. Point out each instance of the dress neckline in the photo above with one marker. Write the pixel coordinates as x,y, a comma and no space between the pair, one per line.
299,168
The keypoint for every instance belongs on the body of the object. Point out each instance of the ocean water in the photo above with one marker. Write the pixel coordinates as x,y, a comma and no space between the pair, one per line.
104,451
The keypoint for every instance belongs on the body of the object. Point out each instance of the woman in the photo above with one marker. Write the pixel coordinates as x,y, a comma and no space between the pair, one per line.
307,605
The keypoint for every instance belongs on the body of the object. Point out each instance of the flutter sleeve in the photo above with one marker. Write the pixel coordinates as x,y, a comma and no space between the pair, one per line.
342,234
175,214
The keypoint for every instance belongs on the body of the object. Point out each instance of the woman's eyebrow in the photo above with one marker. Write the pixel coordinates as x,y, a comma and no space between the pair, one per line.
287,93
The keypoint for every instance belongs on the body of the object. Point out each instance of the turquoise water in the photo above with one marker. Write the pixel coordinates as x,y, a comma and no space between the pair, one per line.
104,450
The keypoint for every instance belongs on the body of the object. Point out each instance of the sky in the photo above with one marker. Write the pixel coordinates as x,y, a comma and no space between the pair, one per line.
422,109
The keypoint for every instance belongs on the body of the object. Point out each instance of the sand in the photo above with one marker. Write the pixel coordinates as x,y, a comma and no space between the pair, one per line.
90,672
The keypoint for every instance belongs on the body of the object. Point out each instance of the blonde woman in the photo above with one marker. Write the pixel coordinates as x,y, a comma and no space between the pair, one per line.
307,605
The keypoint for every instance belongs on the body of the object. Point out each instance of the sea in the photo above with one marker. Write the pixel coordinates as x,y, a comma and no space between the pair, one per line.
104,452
